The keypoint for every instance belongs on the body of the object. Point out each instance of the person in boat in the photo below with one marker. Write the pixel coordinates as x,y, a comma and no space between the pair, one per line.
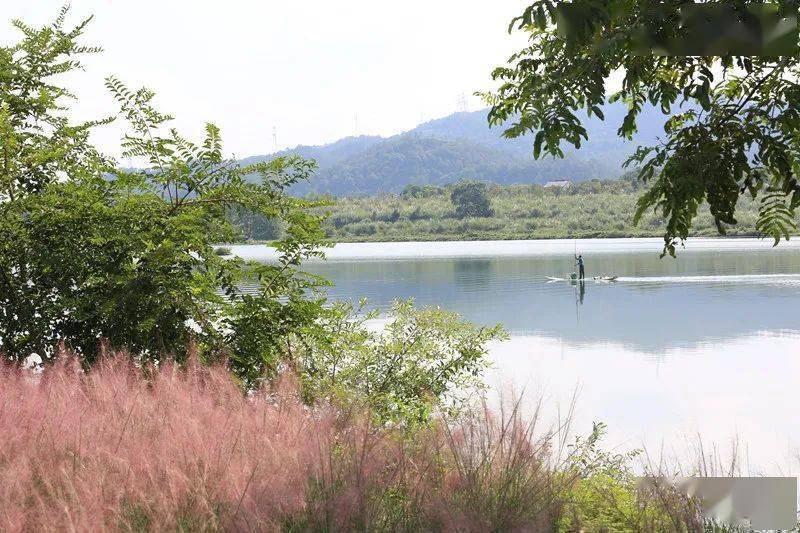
579,260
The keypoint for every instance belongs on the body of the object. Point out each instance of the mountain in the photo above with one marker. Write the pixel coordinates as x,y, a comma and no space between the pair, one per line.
604,144
326,155
463,146
390,165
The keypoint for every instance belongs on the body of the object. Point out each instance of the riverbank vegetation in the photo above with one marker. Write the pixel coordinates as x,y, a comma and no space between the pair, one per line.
581,210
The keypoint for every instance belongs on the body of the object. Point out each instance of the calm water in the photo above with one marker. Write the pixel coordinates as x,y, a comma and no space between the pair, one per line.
708,343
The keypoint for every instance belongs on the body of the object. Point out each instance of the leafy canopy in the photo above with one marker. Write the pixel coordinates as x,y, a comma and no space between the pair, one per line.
732,123
470,199
38,143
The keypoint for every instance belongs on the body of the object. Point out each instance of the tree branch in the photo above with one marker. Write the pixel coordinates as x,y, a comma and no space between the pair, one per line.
755,88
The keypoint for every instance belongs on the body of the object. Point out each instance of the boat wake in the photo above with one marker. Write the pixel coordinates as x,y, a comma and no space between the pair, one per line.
768,279
777,279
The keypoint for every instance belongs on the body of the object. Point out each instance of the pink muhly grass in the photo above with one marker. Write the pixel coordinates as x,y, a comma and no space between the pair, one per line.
182,448
98,450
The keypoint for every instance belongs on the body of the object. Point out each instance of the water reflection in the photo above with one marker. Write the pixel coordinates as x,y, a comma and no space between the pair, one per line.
703,344
473,273
656,304
720,391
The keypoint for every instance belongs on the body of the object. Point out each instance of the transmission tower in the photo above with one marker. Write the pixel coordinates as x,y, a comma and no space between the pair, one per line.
274,139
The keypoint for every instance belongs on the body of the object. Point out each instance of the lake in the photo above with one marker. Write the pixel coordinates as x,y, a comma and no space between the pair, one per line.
706,344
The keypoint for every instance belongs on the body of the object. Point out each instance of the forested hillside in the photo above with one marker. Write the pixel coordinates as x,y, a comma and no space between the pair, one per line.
463,146
392,164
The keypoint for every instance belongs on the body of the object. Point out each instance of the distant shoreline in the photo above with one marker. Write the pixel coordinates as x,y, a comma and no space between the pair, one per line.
414,250
586,210
467,238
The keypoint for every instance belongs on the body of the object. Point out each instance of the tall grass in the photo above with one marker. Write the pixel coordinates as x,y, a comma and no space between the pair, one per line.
169,448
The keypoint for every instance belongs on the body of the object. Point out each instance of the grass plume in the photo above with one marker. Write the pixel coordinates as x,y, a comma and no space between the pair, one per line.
181,448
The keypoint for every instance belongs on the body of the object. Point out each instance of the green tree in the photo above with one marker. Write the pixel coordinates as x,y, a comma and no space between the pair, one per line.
38,143
89,252
470,199
732,123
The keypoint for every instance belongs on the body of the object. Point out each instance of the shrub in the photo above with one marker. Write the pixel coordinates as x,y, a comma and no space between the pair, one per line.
421,361
341,220
420,191
363,229
417,214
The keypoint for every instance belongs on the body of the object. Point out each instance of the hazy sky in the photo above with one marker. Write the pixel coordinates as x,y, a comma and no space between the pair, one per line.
306,67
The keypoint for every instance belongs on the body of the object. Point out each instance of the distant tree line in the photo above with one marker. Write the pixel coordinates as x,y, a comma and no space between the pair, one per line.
472,210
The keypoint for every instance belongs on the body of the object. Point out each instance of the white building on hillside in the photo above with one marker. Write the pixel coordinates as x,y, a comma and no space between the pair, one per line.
564,184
